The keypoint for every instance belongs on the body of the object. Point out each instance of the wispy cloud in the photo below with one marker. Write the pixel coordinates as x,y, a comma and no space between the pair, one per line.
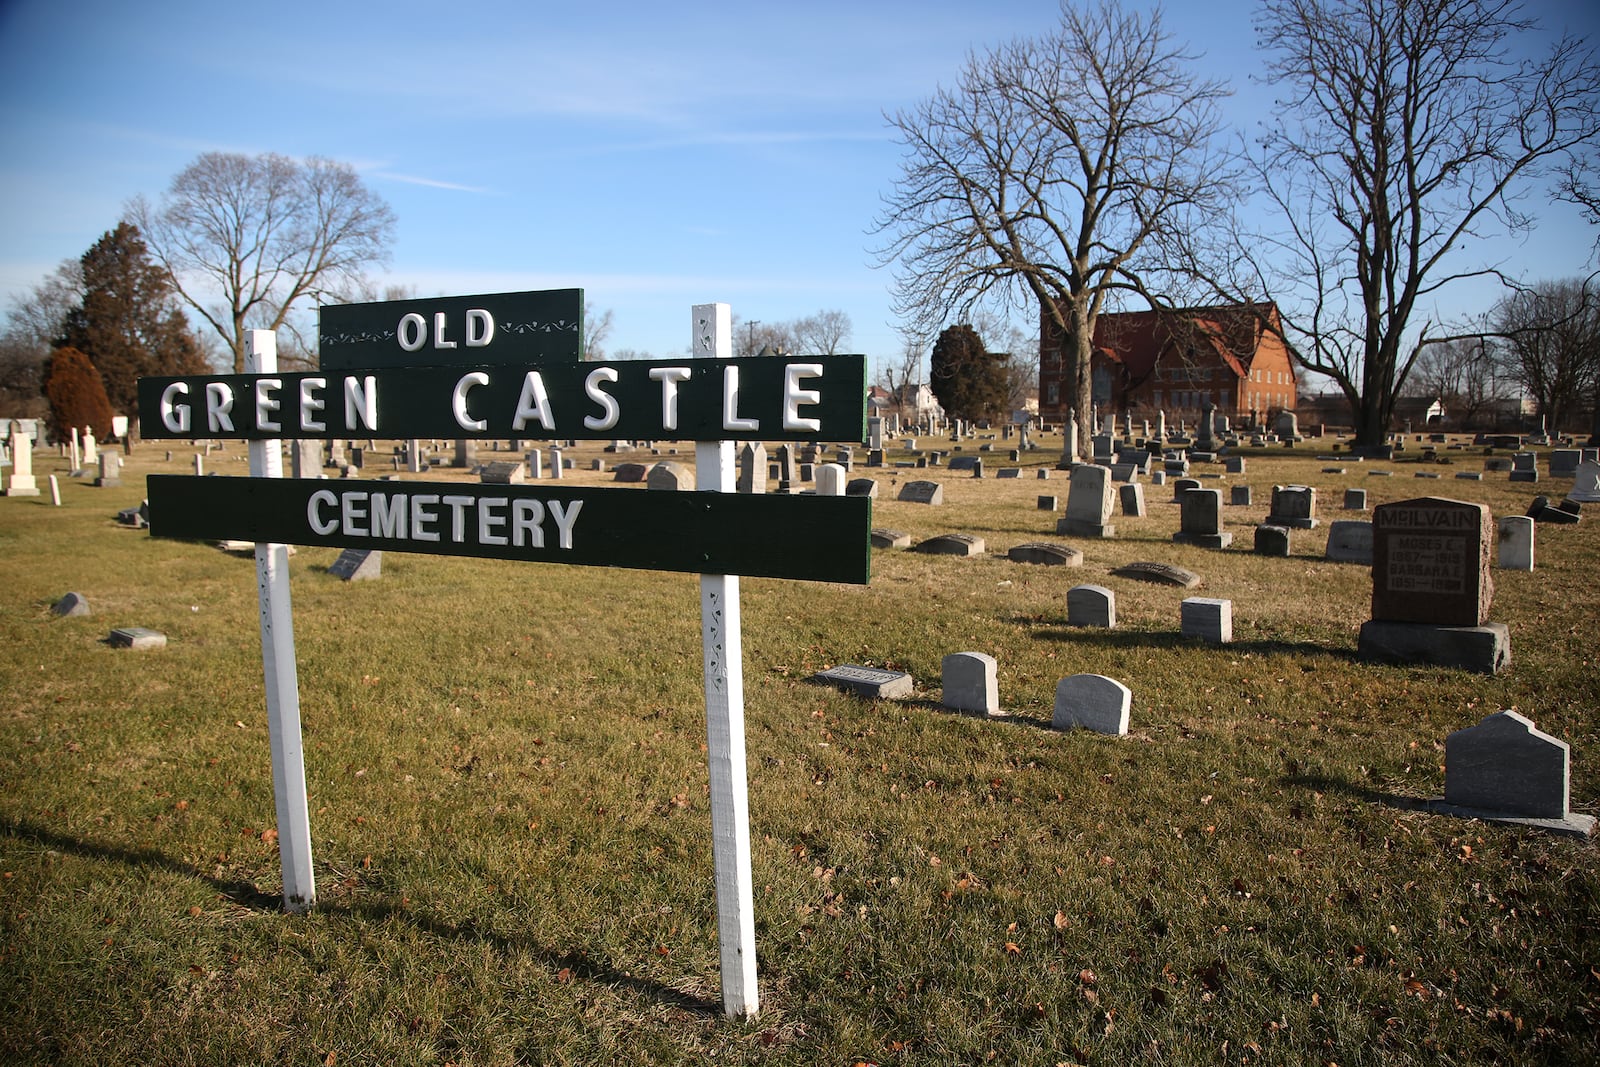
381,174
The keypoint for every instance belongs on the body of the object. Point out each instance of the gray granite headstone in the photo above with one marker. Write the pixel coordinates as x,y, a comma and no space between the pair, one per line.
1089,503
1272,540
70,605
671,477
882,538
137,637
1516,543
1504,764
1160,573
970,683
1294,506
1132,496
1209,619
357,564
866,681
629,472
1043,552
952,545
1349,541
1093,702
1091,605
502,473
862,487
922,493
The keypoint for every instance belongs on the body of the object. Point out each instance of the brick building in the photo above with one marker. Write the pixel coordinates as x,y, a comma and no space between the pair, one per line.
1143,362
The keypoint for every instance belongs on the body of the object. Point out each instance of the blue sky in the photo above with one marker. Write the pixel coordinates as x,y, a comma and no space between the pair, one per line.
655,155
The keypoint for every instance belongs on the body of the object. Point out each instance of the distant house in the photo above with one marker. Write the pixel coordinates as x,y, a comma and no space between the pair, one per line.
1233,357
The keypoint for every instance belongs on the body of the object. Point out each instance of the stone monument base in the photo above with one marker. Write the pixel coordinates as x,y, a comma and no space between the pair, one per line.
1290,522
1083,528
1216,540
23,485
1485,649
1574,824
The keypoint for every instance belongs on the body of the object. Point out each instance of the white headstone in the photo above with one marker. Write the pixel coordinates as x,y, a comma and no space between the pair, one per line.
1091,605
830,479
970,682
1516,543
1093,702
1208,619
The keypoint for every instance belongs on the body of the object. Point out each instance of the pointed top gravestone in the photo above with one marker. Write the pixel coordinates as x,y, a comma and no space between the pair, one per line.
1505,765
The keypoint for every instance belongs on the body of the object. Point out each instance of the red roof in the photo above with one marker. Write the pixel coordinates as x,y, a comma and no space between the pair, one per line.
1139,339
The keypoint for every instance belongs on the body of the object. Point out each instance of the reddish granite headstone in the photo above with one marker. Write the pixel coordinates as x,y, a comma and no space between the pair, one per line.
1430,562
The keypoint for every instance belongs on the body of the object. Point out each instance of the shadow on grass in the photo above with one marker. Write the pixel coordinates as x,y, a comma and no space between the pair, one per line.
246,894
1323,784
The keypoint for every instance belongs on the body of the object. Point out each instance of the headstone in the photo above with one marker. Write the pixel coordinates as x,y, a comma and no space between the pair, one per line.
1294,506
1089,504
1181,488
1093,702
1586,482
503,473
1504,766
922,493
558,464
137,637
882,538
1048,503
1091,605
55,491
1566,513
1272,540
830,479
1287,426
1233,464
1564,462
305,459
1159,573
753,468
1525,467
1516,543
110,470
90,456
626,472
1201,520
70,605
1132,495
414,461
357,565
1349,541
1209,619
1240,496
535,464
951,545
1431,587
670,476
867,681
22,481
1355,500
862,487
1045,553
970,682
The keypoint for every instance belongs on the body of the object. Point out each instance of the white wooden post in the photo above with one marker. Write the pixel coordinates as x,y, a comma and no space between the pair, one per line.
278,663
723,648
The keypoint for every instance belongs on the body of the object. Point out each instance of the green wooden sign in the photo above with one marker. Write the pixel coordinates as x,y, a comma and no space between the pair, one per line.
808,538
754,398
498,329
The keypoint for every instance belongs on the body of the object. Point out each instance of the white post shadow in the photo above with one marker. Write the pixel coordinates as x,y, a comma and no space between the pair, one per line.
278,664
723,649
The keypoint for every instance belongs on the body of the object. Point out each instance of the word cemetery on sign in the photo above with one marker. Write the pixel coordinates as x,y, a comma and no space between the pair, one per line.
808,538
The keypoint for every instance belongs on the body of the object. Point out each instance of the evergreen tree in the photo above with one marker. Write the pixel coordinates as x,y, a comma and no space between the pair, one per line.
969,381
76,394
129,323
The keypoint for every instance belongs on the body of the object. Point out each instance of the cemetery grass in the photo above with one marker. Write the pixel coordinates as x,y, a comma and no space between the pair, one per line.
510,819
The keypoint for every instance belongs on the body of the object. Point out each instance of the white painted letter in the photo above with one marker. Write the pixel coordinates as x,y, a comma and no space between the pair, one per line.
458,520
438,332
360,403
794,396
565,518
458,401
533,404
175,417
607,402
219,407
526,515
389,516
669,377
353,513
730,403
419,332
327,499
488,520
311,403
480,328
266,403
421,514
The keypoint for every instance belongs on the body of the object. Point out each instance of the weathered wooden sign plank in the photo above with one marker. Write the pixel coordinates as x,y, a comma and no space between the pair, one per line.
821,539
753,398
498,329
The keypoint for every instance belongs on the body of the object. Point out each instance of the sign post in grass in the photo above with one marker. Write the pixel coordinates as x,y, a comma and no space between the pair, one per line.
506,366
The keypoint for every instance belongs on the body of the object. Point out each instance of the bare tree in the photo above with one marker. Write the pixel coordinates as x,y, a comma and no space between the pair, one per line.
1408,128
1463,373
35,325
247,239
1060,170
1550,341
822,334
596,328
